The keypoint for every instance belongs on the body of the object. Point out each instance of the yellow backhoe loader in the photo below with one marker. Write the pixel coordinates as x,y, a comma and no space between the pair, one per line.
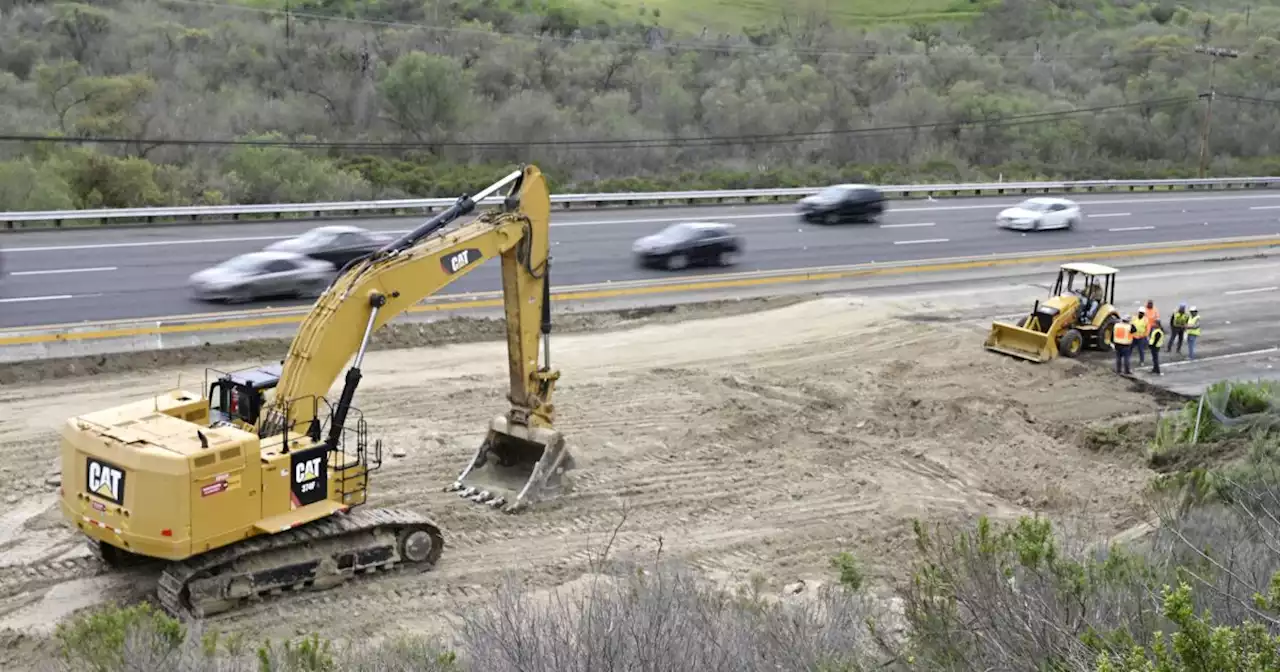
1078,314
254,489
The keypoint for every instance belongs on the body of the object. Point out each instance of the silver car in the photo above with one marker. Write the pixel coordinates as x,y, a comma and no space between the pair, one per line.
262,275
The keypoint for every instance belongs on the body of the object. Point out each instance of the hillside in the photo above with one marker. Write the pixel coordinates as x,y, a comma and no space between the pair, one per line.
434,106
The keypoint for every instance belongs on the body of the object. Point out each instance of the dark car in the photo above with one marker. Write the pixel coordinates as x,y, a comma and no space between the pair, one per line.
337,245
690,244
843,202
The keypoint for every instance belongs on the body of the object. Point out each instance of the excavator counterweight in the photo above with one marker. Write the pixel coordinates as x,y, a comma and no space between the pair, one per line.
257,485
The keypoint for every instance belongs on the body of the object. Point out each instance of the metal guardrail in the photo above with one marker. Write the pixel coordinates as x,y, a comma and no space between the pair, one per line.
22,220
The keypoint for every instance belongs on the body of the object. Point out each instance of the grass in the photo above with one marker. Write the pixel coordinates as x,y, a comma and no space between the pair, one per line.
733,15
691,16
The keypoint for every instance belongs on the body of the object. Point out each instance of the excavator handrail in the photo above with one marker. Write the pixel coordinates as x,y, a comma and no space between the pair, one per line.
371,291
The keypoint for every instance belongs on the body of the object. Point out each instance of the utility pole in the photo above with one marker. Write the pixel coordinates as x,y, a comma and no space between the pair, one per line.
1214,53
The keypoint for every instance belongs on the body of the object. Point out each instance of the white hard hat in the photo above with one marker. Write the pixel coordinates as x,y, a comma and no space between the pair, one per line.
1192,309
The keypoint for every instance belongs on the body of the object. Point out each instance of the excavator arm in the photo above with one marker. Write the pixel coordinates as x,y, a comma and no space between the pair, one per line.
522,456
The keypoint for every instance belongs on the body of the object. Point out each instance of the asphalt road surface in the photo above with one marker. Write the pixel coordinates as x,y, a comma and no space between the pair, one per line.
57,277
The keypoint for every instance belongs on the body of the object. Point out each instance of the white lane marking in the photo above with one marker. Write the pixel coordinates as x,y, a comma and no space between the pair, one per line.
149,243
1265,207
1133,228
66,270
22,299
652,220
1110,214
1197,360
922,242
907,226
1252,291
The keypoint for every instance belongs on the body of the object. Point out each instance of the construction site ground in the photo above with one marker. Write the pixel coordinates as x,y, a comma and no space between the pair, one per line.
755,442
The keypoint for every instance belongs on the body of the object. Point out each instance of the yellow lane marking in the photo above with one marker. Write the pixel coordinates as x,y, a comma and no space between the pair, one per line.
689,286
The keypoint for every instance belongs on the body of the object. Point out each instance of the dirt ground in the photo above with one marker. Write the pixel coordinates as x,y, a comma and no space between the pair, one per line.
763,442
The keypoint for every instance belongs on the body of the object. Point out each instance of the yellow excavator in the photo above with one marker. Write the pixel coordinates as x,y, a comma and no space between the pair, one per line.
1078,314
255,488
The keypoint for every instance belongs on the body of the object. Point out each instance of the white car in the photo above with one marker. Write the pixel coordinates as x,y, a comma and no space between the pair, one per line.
1035,214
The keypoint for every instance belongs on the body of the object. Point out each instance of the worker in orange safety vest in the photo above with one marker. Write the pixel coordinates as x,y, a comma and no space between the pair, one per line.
1122,340
1140,326
1153,315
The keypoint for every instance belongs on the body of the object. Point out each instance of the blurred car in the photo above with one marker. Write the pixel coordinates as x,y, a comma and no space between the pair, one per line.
1043,212
690,244
843,202
337,245
262,275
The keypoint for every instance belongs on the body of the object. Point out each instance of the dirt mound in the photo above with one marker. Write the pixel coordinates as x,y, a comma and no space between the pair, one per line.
764,442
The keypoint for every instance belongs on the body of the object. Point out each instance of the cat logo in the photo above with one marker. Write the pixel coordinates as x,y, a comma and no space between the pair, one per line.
452,263
308,476
105,480
306,472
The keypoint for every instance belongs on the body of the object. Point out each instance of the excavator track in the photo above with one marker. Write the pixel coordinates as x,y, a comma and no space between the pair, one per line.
316,556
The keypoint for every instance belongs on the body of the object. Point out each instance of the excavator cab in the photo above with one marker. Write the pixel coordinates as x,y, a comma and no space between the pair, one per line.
240,396
1078,314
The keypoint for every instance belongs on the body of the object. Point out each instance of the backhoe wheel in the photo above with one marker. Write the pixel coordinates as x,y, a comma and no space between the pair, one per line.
416,546
1070,343
1108,332
677,261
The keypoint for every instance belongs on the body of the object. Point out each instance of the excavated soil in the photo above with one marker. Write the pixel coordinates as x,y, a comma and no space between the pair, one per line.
764,442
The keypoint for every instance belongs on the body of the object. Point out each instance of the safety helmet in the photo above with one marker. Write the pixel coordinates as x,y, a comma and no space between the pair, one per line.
1183,305
1193,309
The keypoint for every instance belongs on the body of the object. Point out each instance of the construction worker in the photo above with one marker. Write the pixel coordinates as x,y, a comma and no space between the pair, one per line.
1155,339
1153,315
1122,340
1193,332
1140,326
1179,323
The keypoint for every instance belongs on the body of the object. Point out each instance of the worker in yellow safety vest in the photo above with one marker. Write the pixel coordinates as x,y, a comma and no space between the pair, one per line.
1122,340
1141,324
1155,339
1179,324
1193,332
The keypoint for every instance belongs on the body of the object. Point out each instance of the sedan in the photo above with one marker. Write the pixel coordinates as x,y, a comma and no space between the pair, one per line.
263,275
690,244
1036,214
843,202
338,245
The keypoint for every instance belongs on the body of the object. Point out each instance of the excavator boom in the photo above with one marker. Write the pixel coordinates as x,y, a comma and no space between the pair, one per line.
522,456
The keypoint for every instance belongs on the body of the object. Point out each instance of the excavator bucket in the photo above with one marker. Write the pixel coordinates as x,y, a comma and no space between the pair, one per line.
516,466
1011,339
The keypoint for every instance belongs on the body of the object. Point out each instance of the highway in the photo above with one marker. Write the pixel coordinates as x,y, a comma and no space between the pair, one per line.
59,277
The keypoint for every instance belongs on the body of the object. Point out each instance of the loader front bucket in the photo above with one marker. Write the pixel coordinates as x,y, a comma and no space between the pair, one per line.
515,466
1016,341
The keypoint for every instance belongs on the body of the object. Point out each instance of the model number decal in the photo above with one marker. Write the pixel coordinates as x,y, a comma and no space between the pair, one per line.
459,260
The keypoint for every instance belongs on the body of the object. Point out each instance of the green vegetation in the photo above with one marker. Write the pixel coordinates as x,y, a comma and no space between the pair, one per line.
445,102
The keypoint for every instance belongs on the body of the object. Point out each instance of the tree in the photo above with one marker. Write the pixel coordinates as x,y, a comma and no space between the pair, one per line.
426,95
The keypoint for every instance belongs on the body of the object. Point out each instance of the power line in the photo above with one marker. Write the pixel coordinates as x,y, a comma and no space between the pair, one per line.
620,143
1249,99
